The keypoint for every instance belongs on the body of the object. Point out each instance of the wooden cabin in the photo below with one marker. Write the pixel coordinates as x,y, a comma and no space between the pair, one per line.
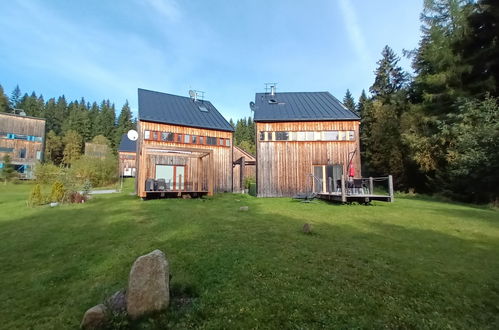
184,146
303,139
244,167
127,155
23,139
96,150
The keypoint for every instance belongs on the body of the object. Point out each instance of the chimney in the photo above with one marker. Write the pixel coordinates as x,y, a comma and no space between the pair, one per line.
272,90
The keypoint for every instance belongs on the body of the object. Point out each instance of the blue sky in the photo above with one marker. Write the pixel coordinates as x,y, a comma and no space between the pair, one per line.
107,49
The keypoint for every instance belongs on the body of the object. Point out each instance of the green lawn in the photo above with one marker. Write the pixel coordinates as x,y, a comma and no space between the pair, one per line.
416,263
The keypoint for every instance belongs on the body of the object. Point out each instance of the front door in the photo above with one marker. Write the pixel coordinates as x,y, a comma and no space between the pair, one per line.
319,178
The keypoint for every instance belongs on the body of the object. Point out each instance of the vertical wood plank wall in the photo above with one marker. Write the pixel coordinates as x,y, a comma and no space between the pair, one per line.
222,155
127,160
284,167
26,126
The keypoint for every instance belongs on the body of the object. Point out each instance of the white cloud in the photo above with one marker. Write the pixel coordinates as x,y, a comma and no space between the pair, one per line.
354,31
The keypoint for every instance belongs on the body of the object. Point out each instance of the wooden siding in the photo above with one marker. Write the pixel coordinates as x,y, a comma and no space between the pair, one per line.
127,160
249,168
284,167
220,157
30,126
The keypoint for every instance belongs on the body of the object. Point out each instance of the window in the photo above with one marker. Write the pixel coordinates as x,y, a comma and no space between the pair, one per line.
194,139
212,141
227,142
269,136
309,136
351,135
330,135
147,135
203,108
38,155
201,140
154,135
341,136
4,149
179,138
22,153
262,136
282,136
166,136
187,138
300,136
292,136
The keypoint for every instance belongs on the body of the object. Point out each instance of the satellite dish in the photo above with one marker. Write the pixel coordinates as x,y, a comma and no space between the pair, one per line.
252,106
192,94
132,135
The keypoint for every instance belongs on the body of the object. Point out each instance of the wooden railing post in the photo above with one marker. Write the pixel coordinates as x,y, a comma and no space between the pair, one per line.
390,187
371,185
343,190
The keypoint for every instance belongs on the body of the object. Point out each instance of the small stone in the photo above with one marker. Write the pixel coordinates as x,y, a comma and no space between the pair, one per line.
244,208
94,318
187,196
148,285
307,228
54,204
117,302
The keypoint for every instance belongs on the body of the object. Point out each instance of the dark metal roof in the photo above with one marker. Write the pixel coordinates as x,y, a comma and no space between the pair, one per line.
300,106
180,110
127,145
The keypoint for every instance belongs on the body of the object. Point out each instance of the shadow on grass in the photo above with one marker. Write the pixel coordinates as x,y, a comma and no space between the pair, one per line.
244,269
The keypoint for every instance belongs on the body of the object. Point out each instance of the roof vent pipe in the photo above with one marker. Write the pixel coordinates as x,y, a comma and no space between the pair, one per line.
272,90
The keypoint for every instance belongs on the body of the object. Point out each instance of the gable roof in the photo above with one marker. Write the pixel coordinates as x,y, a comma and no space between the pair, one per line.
300,106
127,145
179,110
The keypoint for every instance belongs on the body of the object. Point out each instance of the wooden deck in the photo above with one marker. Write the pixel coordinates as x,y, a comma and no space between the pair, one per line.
173,194
349,198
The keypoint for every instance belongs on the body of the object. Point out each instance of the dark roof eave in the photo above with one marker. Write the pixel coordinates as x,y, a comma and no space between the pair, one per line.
304,120
193,126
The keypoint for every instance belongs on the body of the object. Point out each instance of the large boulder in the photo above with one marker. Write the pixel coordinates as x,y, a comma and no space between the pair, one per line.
117,302
95,317
148,285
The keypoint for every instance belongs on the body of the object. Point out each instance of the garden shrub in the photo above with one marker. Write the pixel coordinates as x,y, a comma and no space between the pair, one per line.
36,197
57,193
99,171
47,172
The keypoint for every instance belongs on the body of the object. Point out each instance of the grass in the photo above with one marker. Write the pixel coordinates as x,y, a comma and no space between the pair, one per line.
416,263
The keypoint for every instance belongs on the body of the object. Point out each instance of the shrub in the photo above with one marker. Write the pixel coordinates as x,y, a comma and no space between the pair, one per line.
248,181
99,171
47,173
57,193
36,197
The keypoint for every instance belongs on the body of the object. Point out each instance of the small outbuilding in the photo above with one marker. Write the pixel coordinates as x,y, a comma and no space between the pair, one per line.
244,168
184,146
302,140
127,156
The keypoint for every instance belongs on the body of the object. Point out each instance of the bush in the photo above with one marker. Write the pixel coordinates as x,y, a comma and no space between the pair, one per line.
47,173
36,197
57,193
98,171
248,181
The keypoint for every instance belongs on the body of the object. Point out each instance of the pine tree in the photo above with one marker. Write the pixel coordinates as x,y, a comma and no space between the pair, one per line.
390,77
125,123
360,104
349,102
7,172
4,101
15,97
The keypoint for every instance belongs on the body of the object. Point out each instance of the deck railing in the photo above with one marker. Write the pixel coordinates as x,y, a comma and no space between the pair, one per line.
361,186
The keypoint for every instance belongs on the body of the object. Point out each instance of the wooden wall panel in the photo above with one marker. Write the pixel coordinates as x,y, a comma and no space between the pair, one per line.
127,160
284,167
222,155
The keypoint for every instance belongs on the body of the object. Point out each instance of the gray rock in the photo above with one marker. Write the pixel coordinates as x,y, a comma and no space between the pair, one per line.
117,302
307,228
95,317
244,208
148,285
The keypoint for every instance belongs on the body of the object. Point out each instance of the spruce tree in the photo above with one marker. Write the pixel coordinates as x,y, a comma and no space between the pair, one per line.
72,147
349,102
15,97
125,123
53,148
389,77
